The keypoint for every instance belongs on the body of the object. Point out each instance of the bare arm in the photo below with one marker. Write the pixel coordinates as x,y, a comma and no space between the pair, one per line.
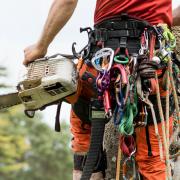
176,16
59,14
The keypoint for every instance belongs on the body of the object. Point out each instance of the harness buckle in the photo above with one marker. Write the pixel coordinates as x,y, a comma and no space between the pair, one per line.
123,43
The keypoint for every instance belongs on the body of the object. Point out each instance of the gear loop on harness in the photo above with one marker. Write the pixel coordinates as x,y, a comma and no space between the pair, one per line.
121,59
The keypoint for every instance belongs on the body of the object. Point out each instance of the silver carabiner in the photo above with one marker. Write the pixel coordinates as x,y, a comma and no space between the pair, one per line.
103,53
145,46
130,158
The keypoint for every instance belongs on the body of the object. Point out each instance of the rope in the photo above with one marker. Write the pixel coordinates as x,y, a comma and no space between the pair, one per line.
118,167
174,92
167,104
168,169
175,155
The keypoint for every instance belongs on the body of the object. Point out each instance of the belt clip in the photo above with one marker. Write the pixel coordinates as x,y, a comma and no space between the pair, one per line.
123,47
123,42
143,117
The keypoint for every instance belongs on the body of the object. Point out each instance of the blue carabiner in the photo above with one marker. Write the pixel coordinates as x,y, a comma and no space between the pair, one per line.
119,110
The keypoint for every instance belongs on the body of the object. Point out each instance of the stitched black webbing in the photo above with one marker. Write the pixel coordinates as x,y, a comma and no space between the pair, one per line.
57,121
148,141
79,161
97,133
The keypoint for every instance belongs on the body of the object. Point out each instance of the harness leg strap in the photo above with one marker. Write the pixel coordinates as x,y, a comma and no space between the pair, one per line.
148,142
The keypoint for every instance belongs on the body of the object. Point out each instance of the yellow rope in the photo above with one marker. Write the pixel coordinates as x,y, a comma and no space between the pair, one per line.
168,170
118,167
167,104
174,92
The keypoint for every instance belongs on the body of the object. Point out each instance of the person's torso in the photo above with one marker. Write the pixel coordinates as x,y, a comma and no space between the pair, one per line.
153,11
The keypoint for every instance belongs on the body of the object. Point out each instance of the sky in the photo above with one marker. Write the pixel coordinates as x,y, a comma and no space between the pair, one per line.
21,23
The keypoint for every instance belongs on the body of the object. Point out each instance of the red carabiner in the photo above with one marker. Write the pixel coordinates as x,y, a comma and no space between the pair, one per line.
127,144
107,104
122,71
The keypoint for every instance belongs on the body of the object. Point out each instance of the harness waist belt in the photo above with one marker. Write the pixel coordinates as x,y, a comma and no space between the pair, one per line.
104,35
122,22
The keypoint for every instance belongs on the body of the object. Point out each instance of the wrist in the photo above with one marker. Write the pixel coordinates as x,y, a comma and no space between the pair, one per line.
42,46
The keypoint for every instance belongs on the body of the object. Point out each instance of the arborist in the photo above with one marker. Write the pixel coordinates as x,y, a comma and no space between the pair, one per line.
125,27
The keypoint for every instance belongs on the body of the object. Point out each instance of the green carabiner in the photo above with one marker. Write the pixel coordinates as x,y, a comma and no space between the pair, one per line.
121,60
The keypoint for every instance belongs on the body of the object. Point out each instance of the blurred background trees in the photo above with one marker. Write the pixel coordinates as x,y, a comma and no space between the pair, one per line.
30,149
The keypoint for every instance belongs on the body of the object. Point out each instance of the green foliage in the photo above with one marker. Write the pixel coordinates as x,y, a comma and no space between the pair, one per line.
31,150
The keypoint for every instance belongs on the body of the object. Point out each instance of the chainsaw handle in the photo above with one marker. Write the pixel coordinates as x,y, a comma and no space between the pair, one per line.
29,113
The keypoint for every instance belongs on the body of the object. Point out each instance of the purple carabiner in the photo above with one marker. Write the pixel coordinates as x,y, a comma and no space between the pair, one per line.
103,81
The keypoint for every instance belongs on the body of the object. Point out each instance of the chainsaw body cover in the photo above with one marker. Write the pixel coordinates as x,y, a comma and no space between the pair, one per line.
47,81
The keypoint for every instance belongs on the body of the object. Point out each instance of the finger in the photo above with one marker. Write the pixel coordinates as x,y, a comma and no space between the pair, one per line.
25,62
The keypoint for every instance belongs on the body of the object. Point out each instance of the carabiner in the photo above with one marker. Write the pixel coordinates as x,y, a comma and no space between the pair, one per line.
122,72
103,53
119,109
130,158
103,81
107,104
144,42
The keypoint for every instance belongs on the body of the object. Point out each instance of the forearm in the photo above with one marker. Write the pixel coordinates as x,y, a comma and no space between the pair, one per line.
176,16
59,14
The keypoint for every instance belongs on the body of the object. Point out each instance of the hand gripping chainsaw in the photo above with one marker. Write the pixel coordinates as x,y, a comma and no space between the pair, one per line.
48,80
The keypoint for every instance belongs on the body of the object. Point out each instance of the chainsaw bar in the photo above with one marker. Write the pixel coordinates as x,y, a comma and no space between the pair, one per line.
8,100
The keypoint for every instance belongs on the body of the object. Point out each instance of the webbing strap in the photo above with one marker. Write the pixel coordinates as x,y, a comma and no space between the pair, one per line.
57,121
126,127
104,35
148,141
123,22
97,133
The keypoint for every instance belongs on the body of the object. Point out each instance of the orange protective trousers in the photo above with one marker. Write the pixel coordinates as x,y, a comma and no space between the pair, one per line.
150,167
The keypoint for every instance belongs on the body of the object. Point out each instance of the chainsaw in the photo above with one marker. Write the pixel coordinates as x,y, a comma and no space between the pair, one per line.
48,80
